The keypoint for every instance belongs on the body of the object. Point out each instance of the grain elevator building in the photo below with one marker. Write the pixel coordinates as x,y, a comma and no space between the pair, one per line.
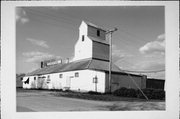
89,69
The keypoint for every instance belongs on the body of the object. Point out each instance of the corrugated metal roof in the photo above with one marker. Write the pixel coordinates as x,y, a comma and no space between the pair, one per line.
77,65
60,68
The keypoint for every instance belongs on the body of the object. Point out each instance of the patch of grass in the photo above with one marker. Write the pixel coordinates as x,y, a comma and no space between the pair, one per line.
98,97
150,93
35,89
86,95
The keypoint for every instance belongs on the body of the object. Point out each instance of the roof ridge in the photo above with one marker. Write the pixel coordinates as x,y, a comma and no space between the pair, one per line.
116,67
81,60
89,63
94,25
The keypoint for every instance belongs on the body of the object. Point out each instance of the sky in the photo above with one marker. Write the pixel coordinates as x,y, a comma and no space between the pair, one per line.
51,32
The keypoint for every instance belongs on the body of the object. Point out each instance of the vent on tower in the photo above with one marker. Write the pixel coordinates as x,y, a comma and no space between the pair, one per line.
82,37
42,64
98,32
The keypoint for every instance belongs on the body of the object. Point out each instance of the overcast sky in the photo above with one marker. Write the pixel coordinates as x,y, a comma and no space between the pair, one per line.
51,32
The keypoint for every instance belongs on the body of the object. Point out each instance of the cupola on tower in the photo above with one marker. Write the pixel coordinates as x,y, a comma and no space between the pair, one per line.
92,43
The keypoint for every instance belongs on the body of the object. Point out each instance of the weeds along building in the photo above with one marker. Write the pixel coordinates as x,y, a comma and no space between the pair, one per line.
89,69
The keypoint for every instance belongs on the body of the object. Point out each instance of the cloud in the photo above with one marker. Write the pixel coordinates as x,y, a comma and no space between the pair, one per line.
118,54
157,46
21,16
38,42
152,66
159,75
161,37
36,56
149,65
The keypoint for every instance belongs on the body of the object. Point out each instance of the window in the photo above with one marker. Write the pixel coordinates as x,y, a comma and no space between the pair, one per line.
48,79
27,81
34,78
76,74
98,32
82,37
60,75
95,79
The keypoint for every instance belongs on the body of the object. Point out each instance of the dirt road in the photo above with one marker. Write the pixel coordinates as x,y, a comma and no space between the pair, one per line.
44,101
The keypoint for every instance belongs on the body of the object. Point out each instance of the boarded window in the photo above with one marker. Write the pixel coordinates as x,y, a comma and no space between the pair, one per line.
76,74
82,37
60,75
98,32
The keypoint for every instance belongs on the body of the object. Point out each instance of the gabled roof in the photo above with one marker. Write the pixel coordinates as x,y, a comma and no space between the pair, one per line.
76,65
91,64
93,25
102,66
60,68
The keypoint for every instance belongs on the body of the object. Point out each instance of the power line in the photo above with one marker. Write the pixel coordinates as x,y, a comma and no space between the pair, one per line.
136,84
65,20
50,17
138,38
75,18
56,19
155,71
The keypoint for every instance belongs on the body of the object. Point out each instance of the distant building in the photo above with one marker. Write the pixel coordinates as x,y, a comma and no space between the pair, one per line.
89,69
155,83
19,78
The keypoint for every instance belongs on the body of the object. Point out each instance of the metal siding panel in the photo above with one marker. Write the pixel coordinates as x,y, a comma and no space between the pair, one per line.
106,82
155,84
119,81
100,51
92,31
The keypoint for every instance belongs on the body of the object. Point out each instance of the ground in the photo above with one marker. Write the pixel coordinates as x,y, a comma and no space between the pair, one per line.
45,101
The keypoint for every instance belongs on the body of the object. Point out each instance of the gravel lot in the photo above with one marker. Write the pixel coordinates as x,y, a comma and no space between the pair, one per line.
45,101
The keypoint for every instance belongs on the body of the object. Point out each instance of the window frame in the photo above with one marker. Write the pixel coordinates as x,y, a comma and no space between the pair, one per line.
76,74
60,75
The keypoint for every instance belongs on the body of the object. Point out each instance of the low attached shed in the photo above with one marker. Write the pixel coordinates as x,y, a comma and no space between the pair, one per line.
120,79
19,78
155,83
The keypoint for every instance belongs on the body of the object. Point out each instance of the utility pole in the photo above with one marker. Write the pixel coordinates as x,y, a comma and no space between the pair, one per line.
110,54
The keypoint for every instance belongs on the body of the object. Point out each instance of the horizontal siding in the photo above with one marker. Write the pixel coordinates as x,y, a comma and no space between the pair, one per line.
92,31
119,81
100,51
155,84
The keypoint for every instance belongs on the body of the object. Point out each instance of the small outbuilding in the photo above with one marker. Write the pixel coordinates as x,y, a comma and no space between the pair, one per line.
155,83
